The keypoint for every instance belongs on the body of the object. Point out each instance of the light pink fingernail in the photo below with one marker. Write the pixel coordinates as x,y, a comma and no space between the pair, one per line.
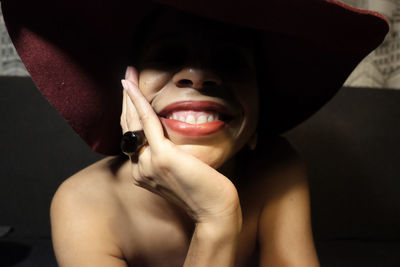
128,72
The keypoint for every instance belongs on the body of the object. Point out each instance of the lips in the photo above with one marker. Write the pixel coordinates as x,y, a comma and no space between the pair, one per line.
195,118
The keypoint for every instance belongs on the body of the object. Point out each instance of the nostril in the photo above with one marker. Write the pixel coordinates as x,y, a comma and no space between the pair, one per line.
185,82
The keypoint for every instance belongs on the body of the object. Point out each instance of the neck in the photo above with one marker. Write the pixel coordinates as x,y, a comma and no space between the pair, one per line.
229,169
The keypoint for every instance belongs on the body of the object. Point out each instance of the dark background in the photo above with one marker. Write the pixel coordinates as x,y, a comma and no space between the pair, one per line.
351,145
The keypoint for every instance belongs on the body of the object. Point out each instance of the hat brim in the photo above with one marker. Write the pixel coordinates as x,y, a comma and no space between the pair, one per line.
76,53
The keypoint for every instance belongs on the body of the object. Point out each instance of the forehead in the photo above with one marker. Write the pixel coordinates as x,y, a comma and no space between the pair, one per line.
175,24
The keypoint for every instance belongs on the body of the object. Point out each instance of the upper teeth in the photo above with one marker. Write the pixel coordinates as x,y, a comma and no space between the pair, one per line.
192,118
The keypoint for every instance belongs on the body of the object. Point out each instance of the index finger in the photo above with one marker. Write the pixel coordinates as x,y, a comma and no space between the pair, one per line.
131,116
148,118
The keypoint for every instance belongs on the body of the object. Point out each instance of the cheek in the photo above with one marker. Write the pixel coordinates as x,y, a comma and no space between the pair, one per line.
152,81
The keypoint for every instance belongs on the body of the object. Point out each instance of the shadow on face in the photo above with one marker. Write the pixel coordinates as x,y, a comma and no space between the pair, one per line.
171,39
182,57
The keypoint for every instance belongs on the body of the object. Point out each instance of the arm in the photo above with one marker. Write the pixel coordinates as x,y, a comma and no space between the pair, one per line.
285,232
214,244
80,235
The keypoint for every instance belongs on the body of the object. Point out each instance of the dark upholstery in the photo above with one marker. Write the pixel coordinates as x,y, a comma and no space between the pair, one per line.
38,151
352,148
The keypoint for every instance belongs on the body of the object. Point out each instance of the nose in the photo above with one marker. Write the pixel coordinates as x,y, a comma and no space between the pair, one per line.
196,78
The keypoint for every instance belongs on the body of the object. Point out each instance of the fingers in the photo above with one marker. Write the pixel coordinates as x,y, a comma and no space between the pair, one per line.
129,118
148,118
132,116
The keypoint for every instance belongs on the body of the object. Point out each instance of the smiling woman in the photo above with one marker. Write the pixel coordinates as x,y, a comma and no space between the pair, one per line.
212,184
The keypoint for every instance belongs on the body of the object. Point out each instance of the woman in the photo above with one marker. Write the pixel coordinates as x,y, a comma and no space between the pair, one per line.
213,185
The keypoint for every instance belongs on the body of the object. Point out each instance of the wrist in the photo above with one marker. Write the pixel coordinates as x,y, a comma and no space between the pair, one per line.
214,243
223,227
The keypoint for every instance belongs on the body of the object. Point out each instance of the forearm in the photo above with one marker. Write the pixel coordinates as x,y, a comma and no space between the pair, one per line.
214,244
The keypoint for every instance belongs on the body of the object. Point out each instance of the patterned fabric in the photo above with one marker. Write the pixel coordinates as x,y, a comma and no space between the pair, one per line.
381,69
10,63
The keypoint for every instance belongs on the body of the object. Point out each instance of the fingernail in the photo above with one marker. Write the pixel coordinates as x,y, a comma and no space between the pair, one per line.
128,72
124,85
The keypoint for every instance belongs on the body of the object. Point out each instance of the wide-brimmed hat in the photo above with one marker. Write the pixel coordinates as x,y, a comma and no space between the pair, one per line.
76,53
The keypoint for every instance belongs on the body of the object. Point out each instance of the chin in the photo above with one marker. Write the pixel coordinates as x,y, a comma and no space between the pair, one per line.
214,156
213,149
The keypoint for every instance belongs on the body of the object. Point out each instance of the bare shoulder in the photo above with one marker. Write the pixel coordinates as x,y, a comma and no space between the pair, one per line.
92,187
284,232
94,181
81,213
277,173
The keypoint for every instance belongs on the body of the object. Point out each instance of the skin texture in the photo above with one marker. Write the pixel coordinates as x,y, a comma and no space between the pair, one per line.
182,202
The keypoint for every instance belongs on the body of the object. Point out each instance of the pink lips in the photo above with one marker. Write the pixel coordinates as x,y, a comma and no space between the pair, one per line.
189,129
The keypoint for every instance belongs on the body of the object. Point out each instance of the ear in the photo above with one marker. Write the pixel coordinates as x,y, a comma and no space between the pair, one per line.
252,143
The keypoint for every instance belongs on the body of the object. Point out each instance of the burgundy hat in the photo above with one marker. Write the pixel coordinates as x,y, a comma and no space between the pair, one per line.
77,51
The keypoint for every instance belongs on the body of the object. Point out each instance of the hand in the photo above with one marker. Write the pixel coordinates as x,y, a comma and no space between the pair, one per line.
164,169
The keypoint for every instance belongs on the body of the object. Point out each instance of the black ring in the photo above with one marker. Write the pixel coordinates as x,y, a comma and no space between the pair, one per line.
131,142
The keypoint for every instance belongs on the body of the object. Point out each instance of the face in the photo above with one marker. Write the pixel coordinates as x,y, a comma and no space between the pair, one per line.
200,79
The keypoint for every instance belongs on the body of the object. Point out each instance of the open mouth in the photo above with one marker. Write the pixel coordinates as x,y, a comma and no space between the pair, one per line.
195,118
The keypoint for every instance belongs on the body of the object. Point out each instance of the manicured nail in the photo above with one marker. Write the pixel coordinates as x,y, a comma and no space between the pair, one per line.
127,72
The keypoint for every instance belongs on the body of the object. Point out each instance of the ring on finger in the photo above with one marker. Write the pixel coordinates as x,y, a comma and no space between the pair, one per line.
132,142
